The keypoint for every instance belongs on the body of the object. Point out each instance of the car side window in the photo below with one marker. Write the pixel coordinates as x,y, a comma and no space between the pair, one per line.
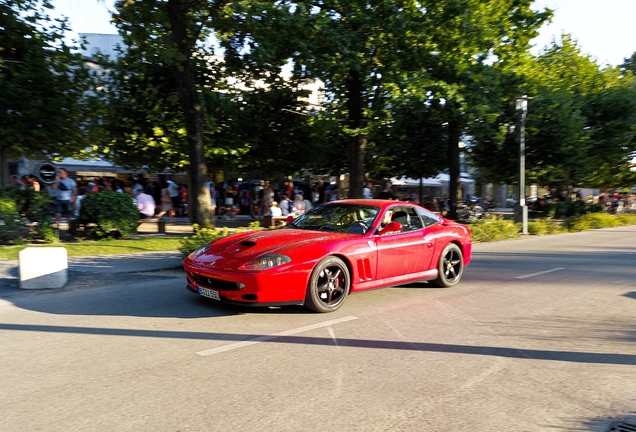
428,219
408,218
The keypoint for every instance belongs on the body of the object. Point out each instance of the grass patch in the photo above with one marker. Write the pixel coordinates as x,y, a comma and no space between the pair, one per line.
105,247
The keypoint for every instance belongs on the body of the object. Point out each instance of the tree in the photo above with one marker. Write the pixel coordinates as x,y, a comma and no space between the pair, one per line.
367,52
358,49
43,109
170,34
579,127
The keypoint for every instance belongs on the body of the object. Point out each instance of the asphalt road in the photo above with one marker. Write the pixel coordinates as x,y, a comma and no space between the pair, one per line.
539,336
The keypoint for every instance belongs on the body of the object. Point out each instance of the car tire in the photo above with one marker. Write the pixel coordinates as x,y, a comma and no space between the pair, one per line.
329,285
450,266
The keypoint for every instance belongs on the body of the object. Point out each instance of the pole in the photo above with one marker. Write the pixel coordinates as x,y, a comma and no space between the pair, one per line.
522,166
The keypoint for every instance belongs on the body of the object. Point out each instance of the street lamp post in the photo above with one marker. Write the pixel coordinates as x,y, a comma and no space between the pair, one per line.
522,109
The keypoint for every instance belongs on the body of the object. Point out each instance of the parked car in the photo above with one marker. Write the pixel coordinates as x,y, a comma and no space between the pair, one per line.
330,251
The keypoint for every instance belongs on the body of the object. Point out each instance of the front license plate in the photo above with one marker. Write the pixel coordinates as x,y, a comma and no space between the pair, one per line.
209,293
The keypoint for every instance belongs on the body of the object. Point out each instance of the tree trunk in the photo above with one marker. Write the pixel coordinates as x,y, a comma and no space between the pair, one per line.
199,196
358,141
4,167
453,164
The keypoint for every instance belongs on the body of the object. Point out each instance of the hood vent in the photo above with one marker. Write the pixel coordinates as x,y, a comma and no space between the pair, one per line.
248,243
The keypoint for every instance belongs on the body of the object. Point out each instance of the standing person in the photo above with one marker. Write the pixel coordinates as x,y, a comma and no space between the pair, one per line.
212,189
66,192
287,206
166,203
184,199
268,197
367,191
315,194
387,192
334,193
15,182
446,205
154,190
81,194
299,204
173,190
34,183
323,193
229,201
257,196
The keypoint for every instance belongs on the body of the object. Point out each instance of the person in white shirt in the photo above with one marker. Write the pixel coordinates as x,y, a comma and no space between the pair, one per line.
274,210
145,204
300,204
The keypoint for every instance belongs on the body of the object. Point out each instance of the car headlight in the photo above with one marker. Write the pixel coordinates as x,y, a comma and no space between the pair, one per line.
199,251
267,262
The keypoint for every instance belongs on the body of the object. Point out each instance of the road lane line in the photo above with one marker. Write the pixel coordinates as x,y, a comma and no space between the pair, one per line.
274,336
540,273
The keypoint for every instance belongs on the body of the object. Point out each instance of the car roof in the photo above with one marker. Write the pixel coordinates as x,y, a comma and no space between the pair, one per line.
372,202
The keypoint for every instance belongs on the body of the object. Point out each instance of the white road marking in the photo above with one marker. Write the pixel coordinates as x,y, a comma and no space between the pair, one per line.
540,273
274,336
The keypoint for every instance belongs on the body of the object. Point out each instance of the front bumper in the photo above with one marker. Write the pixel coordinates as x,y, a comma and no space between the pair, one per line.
262,288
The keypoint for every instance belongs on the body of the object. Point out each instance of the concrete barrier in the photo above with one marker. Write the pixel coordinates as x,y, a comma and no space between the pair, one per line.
43,267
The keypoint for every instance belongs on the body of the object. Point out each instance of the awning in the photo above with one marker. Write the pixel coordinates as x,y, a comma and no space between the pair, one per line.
427,182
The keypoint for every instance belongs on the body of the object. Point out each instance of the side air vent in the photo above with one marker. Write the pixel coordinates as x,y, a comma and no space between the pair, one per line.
248,243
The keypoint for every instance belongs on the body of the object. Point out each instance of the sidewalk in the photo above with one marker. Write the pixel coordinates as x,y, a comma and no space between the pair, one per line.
102,270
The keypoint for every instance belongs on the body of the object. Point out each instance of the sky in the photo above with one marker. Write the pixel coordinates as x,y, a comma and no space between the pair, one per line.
604,29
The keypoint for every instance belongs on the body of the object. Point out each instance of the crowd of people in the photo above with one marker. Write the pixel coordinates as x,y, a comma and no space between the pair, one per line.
153,199
156,199
159,198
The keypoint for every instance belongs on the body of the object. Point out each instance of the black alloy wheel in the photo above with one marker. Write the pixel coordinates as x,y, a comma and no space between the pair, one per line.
450,267
329,285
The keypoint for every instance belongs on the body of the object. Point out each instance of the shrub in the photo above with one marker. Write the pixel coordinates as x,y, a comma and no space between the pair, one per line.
28,217
600,220
562,210
203,236
9,221
106,214
544,226
493,229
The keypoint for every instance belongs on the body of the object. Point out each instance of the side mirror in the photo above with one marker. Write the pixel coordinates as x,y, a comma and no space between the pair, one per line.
289,219
391,227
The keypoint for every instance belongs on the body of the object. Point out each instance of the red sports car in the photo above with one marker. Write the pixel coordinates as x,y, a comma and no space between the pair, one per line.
332,250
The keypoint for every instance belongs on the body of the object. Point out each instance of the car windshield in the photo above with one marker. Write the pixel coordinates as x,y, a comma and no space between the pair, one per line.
343,218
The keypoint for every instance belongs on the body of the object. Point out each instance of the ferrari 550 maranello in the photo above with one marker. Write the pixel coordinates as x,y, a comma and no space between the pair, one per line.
329,252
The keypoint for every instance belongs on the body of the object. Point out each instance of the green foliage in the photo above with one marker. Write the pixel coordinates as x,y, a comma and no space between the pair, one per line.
564,209
203,236
600,220
26,216
493,229
9,221
544,227
106,214
42,82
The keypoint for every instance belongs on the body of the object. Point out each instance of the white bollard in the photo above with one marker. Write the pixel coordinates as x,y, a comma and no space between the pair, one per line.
43,267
